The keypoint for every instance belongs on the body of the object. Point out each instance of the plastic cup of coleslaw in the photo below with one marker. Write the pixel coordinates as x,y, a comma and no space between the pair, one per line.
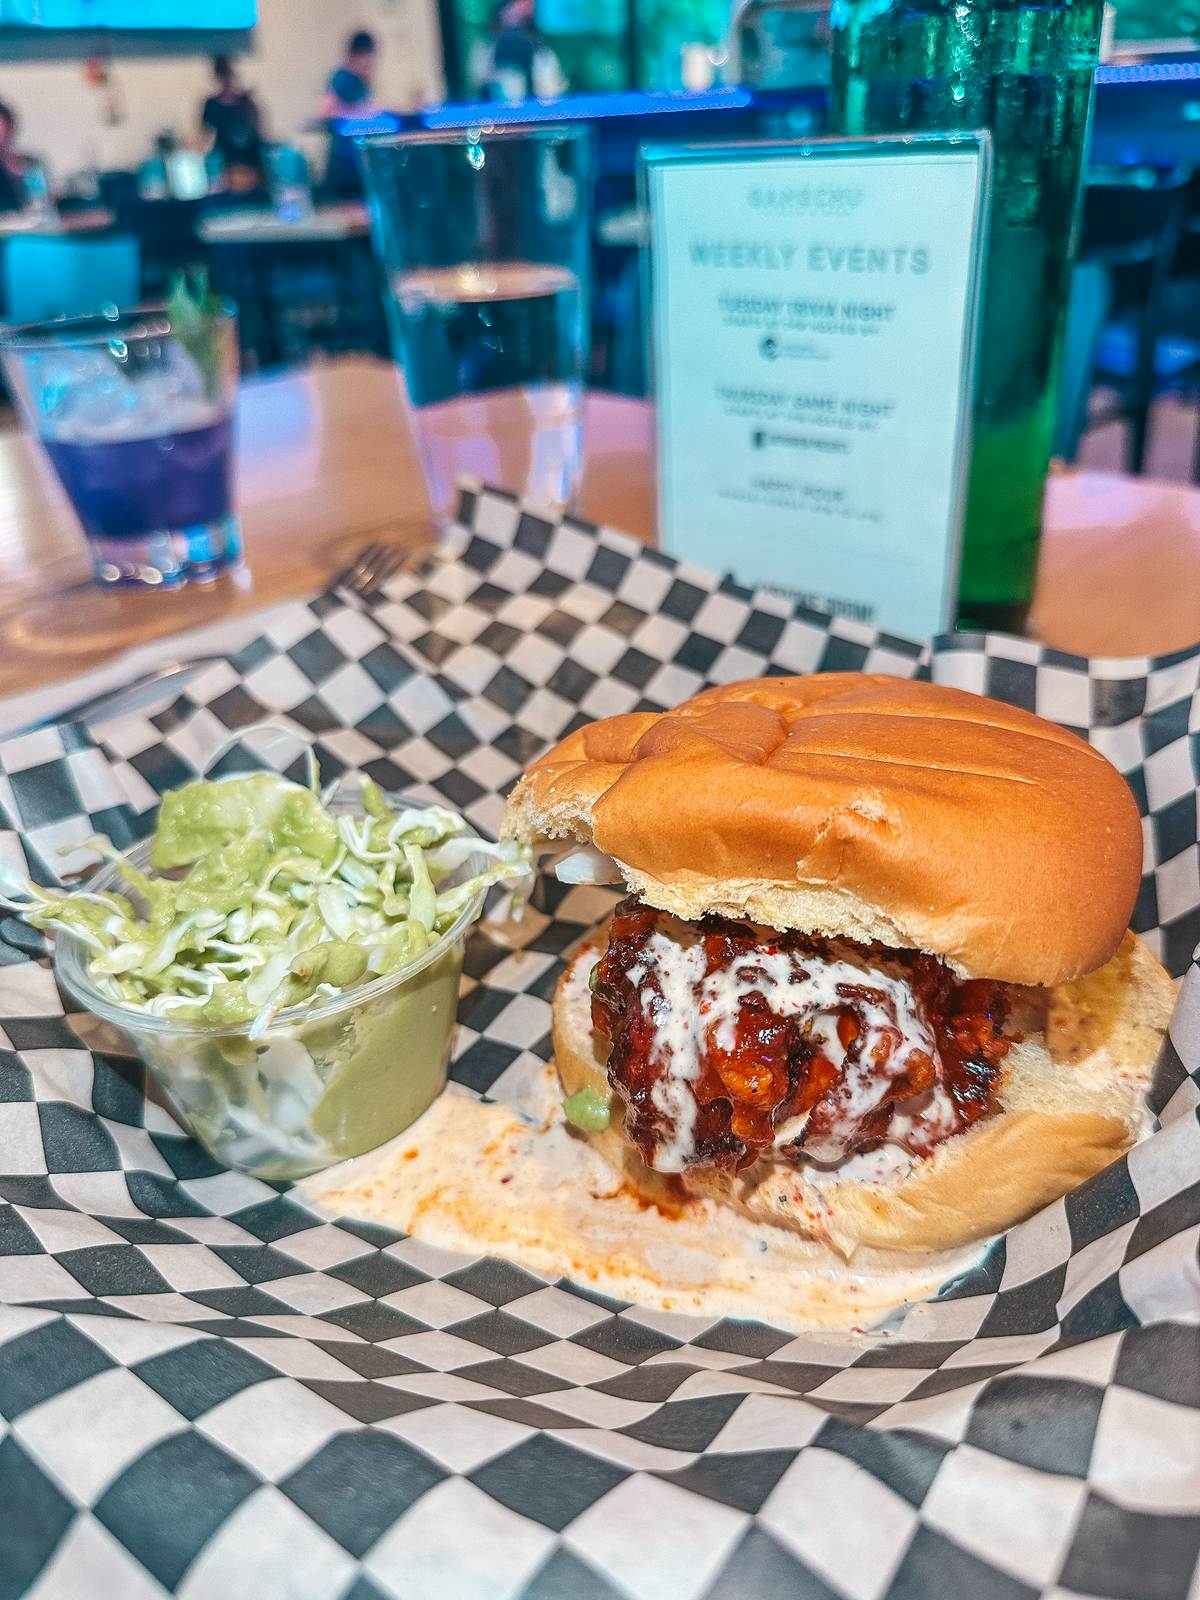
321,1082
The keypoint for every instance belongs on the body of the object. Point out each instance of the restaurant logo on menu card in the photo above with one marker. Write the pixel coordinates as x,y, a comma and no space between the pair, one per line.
821,200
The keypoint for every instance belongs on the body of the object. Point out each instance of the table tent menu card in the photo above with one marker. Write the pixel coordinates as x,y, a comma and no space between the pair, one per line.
813,315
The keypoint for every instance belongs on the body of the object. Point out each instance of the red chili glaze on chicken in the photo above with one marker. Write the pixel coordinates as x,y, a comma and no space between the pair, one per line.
722,1033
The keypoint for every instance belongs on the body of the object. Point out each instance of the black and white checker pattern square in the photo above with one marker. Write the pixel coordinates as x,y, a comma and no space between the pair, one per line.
205,1388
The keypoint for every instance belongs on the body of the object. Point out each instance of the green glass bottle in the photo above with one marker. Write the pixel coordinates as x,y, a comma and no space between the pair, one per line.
1025,72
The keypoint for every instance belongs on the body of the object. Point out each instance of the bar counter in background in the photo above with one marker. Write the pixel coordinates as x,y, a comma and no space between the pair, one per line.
1147,116
1147,111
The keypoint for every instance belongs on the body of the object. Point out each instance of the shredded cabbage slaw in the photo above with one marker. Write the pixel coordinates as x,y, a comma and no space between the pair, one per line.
282,903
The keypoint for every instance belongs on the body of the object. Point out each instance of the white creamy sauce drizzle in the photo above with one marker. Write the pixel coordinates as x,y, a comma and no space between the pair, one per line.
693,1004
934,1110
677,1025
879,1168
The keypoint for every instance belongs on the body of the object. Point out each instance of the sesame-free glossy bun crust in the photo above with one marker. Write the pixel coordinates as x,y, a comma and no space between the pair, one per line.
863,806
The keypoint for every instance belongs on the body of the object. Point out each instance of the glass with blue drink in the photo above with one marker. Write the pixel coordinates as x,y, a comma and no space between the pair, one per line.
135,411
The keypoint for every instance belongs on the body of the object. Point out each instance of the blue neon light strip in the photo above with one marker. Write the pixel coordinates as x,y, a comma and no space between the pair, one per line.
583,107
361,127
634,103
1150,72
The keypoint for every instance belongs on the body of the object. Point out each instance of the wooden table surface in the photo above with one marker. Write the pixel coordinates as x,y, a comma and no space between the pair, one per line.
326,464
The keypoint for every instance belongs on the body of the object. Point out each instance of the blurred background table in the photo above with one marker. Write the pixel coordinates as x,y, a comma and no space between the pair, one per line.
298,282
90,219
262,225
327,465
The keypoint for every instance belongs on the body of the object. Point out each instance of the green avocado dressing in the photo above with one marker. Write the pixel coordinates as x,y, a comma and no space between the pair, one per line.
263,902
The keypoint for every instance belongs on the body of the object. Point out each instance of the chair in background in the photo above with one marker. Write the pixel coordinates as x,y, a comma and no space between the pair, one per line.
618,360
1087,312
297,295
779,44
1178,361
1132,220
168,234
118,188
56,275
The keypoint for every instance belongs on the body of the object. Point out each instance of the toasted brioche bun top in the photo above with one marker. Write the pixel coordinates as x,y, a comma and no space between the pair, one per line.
862,806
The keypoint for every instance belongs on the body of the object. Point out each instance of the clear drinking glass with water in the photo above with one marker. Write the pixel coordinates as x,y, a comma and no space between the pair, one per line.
484,236
135,411
290,183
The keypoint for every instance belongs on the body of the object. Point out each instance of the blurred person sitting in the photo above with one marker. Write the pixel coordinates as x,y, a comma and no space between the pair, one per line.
514,51
231,126
14,196
349,97
521,66
350,91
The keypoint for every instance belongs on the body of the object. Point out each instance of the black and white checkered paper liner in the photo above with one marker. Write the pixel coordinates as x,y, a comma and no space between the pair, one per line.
207,1389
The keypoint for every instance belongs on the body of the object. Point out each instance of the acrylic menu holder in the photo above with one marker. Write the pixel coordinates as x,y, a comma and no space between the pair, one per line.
813,314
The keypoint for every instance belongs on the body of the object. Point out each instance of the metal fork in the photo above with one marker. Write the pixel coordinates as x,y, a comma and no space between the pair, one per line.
145,693
372,567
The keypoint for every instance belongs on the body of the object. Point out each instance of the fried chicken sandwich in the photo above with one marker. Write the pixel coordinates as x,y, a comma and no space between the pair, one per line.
872,979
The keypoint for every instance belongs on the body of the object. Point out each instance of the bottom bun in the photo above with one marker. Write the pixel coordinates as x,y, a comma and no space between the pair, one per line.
1069,1101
